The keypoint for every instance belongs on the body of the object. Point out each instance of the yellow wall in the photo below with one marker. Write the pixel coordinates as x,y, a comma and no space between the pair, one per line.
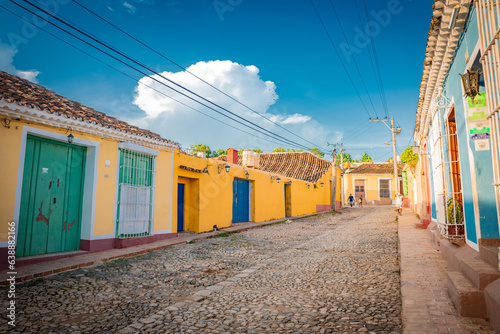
371,185
267,197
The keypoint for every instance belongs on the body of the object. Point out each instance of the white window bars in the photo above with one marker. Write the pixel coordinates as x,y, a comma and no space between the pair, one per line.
135,194
488,18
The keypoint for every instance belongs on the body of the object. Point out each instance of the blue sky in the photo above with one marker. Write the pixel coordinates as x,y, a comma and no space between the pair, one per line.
274,56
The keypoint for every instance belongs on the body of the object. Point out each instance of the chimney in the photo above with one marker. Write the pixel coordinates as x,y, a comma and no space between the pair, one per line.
232,156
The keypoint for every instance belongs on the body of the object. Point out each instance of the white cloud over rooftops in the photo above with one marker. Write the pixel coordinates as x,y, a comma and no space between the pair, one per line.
176,121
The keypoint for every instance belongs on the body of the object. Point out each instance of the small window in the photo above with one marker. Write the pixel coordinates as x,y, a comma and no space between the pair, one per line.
384,188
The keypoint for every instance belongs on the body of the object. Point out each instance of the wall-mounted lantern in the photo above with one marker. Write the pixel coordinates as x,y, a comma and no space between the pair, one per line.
227,168
70,136
308,186
220,168
322,184
272,178
470,83
278,180
247,175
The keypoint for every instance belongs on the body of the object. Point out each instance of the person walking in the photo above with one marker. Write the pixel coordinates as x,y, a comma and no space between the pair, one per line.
351,200
399,203
360,201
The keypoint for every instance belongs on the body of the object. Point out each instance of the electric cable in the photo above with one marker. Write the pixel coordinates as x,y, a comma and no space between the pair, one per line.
353,57
377,63
273,135
338,55
149,69
187,71
135,79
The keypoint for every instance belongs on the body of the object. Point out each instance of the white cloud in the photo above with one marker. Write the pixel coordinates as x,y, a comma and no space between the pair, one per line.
292,119
131,9
7,54
180,123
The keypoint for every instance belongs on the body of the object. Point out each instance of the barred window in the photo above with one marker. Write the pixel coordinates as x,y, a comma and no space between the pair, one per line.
135,194
384,189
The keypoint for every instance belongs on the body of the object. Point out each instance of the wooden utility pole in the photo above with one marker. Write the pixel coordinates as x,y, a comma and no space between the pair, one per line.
395,158
334,181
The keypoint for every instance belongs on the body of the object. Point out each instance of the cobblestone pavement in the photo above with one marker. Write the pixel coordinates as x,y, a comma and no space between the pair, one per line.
323,274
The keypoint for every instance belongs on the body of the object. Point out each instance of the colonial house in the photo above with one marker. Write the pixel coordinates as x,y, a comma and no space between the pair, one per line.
75,179
372,182
229,189
457,135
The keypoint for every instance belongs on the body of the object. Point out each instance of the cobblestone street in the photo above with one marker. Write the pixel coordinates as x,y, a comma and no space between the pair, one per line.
322,274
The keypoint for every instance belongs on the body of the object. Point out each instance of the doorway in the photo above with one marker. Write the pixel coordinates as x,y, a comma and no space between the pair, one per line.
51,197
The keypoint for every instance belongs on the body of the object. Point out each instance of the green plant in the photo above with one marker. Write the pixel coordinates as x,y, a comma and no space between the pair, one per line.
454,214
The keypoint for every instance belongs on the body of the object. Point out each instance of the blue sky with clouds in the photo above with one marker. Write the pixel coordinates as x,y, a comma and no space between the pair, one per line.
273,56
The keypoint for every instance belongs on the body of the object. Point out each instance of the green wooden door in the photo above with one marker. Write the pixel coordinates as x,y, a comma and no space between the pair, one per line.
51,197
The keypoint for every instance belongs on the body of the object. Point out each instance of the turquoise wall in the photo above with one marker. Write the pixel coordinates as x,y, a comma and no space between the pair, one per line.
482,167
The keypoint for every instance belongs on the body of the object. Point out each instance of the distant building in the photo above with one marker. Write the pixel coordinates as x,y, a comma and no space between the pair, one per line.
373,182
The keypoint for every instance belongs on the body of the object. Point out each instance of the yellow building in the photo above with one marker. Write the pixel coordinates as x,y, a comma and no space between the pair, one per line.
215,193
373,183
75,179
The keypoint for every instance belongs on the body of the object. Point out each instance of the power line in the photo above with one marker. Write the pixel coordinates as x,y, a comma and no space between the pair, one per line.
353,57
135,79
187,71
338,55
147,68
272,135
384,100
371,59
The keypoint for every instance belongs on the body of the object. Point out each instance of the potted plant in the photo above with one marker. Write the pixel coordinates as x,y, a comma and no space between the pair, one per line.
454,218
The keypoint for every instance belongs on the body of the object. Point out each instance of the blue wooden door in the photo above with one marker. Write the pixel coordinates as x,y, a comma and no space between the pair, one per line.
180,207
241,201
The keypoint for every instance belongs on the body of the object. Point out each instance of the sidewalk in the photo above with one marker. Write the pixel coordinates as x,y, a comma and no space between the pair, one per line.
29,272
427,307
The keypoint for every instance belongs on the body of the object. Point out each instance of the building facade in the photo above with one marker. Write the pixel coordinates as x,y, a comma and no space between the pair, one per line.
457,134
75,179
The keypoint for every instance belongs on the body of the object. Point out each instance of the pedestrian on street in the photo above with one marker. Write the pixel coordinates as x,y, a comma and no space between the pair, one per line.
399,203
360,200
351,200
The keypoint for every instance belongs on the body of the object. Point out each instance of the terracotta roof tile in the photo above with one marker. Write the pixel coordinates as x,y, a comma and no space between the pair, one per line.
25,93
297,165
385,168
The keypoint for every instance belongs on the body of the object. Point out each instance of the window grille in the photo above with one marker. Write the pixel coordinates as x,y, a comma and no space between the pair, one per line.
488,19
384,188
135,194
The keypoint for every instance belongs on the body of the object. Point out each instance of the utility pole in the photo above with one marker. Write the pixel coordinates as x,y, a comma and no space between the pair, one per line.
334,182
395,158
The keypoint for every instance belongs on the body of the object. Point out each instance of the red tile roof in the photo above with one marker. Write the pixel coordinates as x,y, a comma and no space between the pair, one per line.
297,165
25,93
385,168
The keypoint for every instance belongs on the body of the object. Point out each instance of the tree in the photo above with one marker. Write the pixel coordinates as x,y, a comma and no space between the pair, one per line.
219,152
365,158
407,157
347,158
200,148
279,149
255,149
316,151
